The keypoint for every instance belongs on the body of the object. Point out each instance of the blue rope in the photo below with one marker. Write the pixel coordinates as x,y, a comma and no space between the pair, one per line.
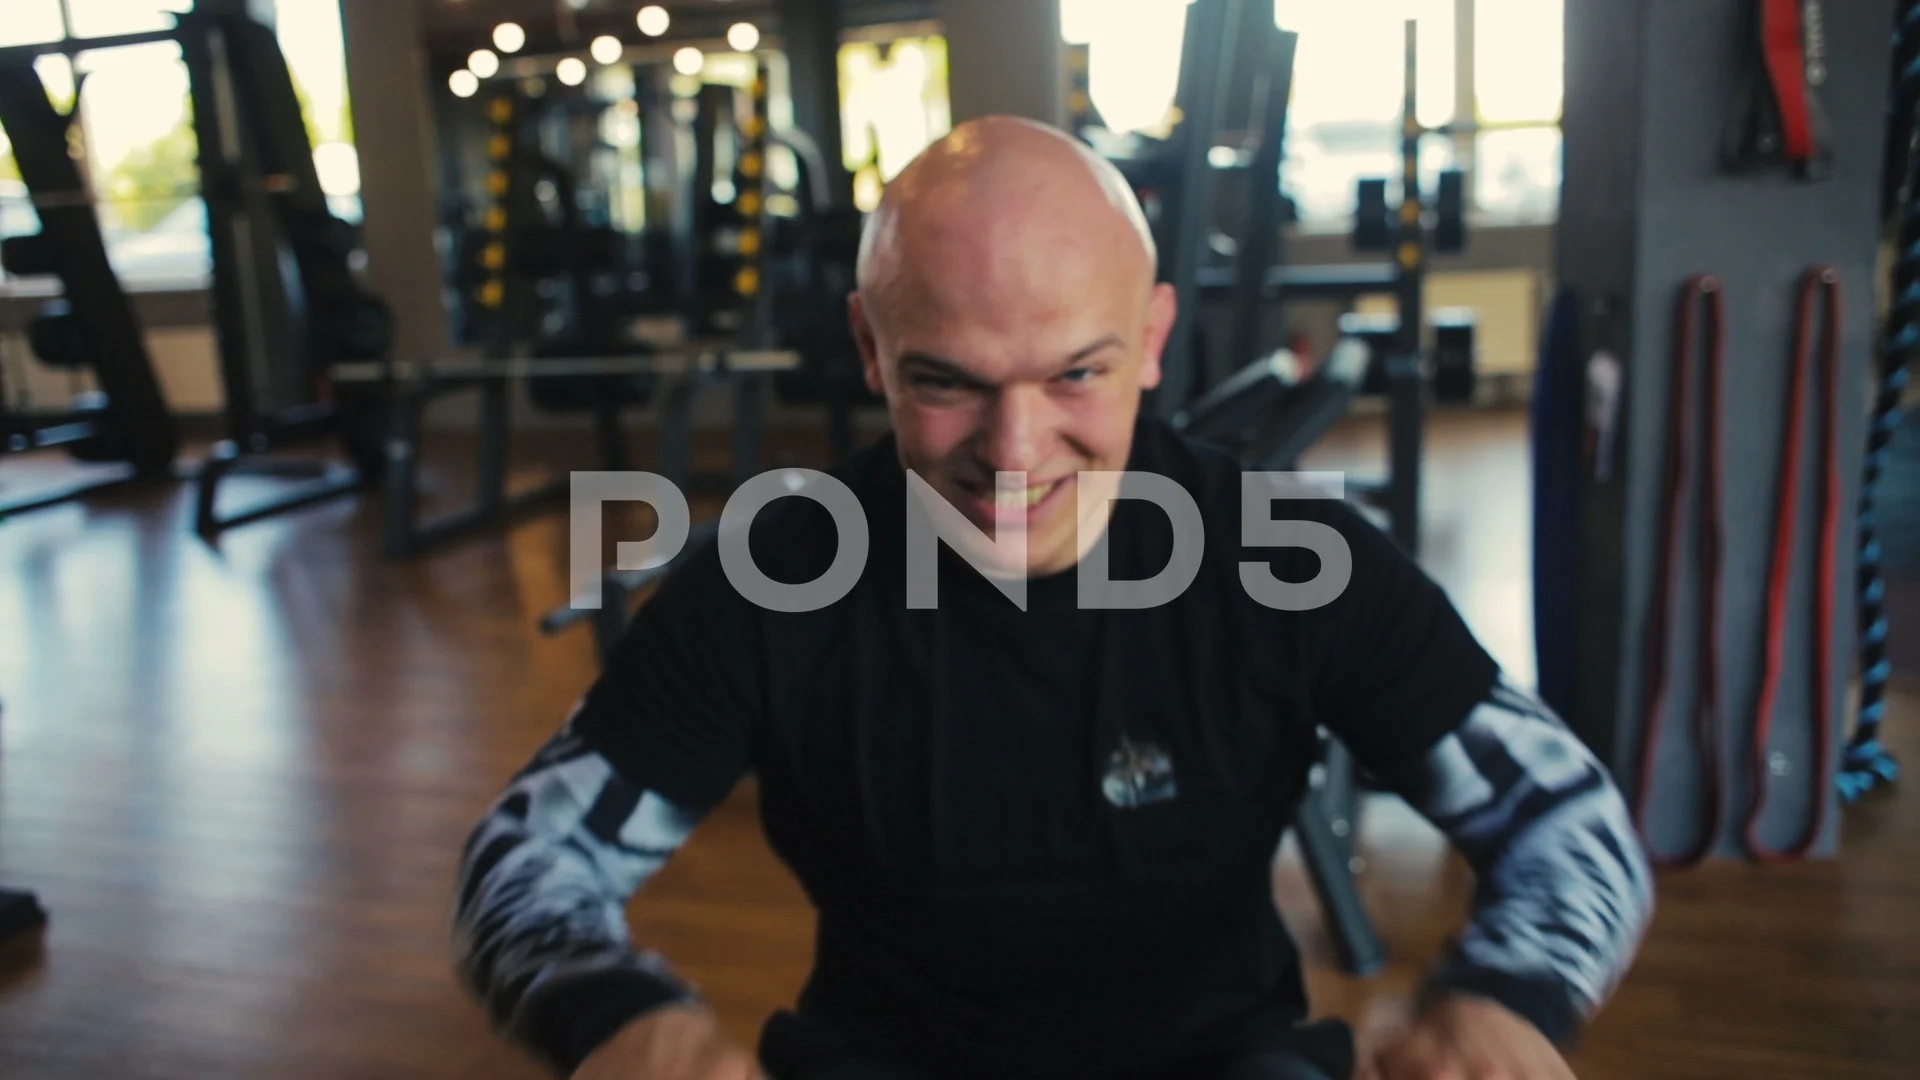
1866,764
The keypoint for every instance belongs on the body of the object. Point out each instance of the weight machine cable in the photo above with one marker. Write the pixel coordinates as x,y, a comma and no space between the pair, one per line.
1702,293
1819,291
1866,764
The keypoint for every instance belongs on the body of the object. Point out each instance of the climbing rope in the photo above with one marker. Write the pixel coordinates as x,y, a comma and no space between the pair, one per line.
1867,764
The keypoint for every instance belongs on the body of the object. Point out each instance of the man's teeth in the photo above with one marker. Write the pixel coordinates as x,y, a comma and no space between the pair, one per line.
1021,496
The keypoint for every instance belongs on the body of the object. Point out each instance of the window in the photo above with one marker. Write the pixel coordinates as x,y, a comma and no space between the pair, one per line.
1519,51
893,104
30,22
1519,84
98,18
136,127
1349,92
1133,53
141,156
311,39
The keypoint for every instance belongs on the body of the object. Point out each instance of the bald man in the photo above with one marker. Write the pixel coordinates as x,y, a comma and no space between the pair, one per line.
1037,821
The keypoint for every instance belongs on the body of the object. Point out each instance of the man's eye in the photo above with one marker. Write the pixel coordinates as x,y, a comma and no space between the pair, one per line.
1079,375
940,383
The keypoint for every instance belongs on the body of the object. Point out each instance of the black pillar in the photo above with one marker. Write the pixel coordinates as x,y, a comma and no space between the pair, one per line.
811,31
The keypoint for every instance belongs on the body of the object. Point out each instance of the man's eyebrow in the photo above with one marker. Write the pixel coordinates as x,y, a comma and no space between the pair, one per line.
952,369
941,366
1111,341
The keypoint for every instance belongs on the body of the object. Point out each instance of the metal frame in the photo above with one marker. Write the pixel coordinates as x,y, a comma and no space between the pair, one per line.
20,913
251,174
691,372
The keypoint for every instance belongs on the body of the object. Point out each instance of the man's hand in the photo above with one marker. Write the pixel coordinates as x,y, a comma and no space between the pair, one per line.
674,1043
1465,1038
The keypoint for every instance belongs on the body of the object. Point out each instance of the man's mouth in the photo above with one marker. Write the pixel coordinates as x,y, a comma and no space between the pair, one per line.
1022,497
1017,505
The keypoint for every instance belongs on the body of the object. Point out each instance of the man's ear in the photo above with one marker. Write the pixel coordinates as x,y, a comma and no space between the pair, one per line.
1162,311
863,338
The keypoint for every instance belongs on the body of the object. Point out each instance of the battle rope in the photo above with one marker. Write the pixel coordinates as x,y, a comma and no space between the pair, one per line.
1819,291
1866,764
1701,294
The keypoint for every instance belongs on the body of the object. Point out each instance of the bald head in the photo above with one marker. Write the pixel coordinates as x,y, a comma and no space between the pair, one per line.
1008,313
995,201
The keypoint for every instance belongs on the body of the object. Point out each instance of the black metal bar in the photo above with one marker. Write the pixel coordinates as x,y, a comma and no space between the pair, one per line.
490,480
613,444
27,54
749,392
59,434
1309,282
810,36
136,412
20,913
1406,422
231,240
403,469
1181,230
676,430
616,593
55,494
1260,240
1329,861
339,480
461,522
1406,371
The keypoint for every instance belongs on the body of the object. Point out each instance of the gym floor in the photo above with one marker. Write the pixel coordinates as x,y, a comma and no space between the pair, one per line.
239,777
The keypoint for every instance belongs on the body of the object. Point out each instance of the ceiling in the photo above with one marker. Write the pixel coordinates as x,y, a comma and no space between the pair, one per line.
455,27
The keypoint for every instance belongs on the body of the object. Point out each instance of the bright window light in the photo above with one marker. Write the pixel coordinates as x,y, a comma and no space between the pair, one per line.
653,20
337,165
689,61
463,83
508,37
607,49
743,37
484,63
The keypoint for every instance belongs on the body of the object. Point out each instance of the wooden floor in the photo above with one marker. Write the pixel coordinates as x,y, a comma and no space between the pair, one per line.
239,776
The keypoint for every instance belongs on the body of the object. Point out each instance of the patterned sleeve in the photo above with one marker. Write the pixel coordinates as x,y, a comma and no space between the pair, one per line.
540,924
1565,891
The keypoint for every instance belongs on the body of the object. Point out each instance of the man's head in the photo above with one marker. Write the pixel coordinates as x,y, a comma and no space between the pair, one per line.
1008,311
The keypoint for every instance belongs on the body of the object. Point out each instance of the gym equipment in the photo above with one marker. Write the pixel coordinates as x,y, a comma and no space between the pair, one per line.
615,599
1778,122
286,304
410,387
92,327
1556,422
1167,179
1702,300
280,329
531,278
20,913
1819,302
1268,414
1866,764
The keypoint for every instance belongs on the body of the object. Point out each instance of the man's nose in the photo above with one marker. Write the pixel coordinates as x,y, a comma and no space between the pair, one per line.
1019,426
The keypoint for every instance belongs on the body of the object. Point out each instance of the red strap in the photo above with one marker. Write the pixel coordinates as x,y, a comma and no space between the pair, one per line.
1702,291
1822,282
1782,38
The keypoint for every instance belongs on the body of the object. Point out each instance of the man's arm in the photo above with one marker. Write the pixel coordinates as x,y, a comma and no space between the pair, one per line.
540,925
1564,890
661,738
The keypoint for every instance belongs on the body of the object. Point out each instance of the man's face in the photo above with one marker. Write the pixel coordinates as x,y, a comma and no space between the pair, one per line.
1034,365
